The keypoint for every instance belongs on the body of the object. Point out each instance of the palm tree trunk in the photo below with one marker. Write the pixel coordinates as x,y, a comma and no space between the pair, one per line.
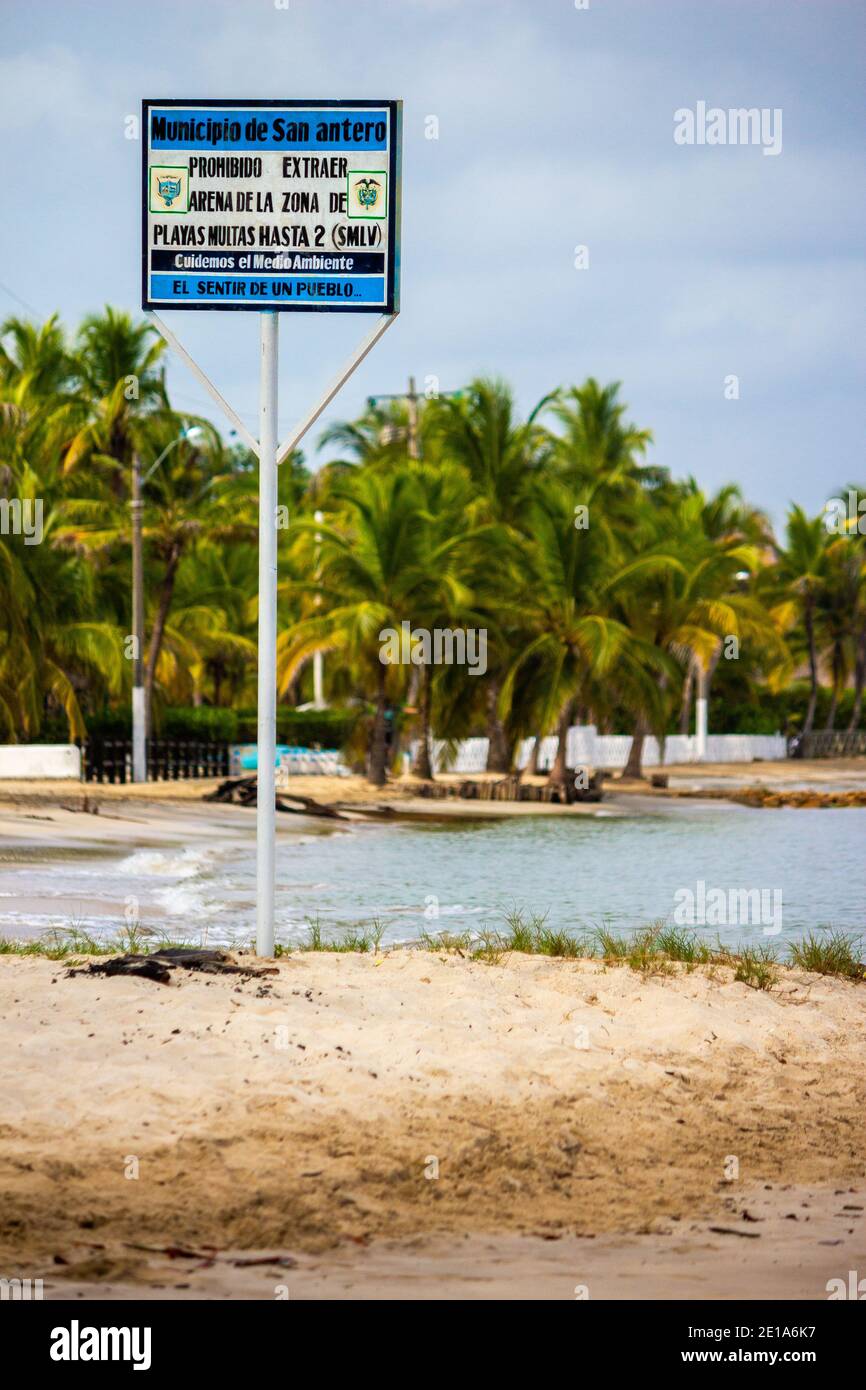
633,767
377,773
534,755
831,712
166,593
705,680
837,681
423,766
859,681
688,692
813,667
559,772
498,752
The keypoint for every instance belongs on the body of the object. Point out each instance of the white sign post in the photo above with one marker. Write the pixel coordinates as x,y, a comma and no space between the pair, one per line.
271,206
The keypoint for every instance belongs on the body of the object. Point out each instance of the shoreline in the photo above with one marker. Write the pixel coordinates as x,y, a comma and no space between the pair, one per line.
563,1101
185,868
791,782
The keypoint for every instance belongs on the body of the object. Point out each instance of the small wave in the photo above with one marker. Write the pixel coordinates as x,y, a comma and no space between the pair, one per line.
147,863
184,901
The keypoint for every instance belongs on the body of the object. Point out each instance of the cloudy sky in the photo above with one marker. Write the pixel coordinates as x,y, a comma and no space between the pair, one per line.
556,128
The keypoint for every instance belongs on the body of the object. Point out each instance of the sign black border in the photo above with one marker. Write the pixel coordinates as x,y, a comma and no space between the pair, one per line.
395,152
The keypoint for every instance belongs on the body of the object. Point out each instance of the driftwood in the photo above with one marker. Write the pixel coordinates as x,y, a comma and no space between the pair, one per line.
243,791
373,810
158,965
210,1256
511,788
308,806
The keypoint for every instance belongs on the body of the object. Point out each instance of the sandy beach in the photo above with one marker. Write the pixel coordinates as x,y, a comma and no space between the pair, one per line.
402,793
417,1124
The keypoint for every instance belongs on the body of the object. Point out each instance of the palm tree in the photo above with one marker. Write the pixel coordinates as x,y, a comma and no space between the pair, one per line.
122,388
734,539
214,616
840,601
42,405
448,564
36,365
379,438
189,498
799,575
503,458
368,579
479,430
54,641
58,638
686,609
572,636
597,448
857,532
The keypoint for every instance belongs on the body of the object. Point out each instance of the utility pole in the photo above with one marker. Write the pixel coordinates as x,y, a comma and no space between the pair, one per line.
269,322
318,659
412,402
140,710
139,713
411,399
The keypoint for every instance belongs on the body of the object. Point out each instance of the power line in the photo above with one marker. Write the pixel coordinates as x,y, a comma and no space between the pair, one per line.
22,302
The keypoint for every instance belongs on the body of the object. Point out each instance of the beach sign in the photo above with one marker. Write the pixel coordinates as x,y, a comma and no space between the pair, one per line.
271,206
281,205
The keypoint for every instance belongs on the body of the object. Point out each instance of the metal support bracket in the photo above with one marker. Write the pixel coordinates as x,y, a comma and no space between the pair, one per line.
367,343
206,382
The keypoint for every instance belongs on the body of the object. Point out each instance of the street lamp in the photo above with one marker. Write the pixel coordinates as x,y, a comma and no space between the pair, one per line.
139,701
702,702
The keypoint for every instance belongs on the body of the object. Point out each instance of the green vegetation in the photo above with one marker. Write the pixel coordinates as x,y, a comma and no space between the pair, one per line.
833,954
655,949
609,591
329,728
353,939
756,966
64,943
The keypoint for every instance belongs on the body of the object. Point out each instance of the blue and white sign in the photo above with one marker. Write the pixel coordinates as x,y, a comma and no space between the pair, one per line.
271,205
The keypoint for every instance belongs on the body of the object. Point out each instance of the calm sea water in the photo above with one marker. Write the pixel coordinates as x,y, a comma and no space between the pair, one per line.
625,871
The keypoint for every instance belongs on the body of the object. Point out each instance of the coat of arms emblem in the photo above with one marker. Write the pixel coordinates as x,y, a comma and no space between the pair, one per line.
368,192
168,190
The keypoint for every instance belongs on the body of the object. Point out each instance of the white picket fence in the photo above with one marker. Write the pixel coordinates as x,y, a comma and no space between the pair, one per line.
587,748
308,762
40,760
